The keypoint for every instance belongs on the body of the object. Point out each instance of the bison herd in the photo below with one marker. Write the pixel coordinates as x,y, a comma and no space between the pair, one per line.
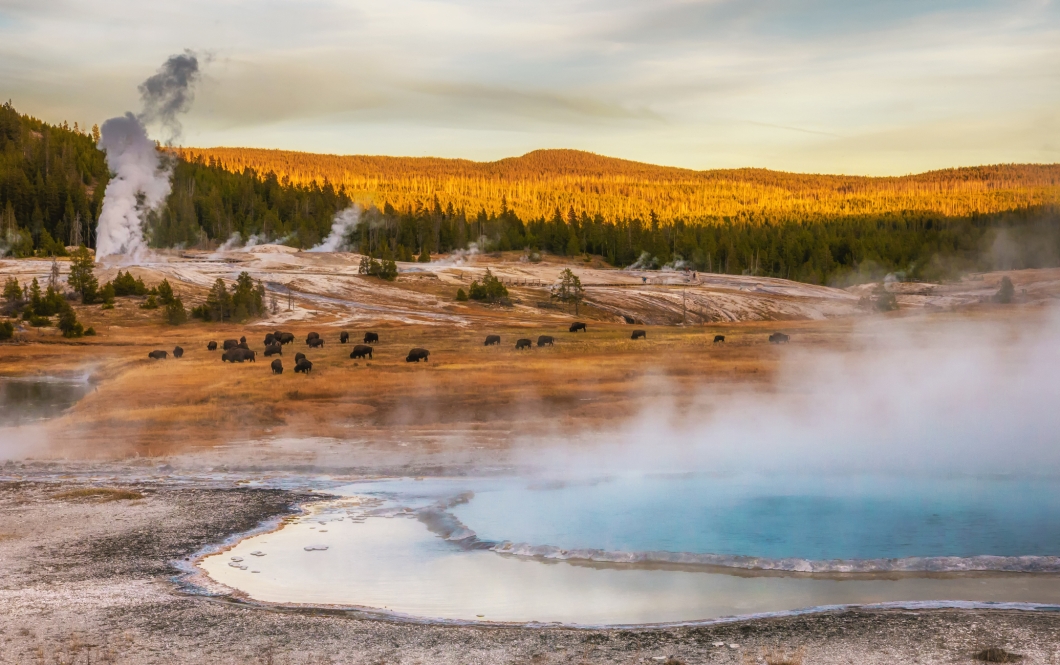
238,351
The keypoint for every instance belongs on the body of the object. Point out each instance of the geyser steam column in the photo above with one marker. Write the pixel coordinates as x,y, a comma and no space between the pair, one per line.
141,175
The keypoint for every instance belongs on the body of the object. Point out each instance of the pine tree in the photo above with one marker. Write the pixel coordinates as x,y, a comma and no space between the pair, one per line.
82,279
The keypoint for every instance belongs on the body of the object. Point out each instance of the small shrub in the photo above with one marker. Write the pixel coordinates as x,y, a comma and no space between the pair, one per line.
107,305
150,303
69,324
90,332
164,292
1005,294
36,321
175,312
490,289
7,330
461,295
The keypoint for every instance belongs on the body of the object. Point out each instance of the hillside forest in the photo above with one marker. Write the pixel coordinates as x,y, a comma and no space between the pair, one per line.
812,228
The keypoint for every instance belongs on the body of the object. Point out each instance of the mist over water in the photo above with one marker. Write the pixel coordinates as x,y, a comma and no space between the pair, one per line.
908,397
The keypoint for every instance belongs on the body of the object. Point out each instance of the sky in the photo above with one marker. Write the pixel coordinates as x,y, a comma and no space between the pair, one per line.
838,86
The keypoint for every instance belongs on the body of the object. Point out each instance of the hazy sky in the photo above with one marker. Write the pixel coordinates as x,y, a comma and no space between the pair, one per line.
853,86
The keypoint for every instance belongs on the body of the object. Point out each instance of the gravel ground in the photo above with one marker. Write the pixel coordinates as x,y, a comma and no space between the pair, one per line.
88,579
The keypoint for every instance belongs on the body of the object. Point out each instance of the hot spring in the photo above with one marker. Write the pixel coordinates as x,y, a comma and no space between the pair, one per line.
651,548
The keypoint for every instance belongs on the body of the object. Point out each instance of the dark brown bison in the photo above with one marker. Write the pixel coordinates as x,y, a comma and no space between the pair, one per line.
492,339
178,352
157,355
315,343
523,344
230,344
311,336
284,337
546,340
578,325
303,366
779,338
298,356
277,366
242,340
639,334
212,346
370,337
238,355
361,351
344,337
416,355
270,339
273,349
719,338
244,346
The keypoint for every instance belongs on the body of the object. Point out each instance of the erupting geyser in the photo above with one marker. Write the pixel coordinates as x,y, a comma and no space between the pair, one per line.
141,175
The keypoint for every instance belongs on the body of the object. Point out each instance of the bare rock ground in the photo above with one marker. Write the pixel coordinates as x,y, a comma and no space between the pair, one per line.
87,578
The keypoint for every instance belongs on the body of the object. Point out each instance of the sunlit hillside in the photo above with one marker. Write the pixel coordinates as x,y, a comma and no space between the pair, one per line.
538,183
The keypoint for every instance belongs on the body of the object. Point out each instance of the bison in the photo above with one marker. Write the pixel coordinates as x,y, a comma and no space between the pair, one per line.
523,343
157,355
270,339
719,338
273,349
284,337
492,339
230,344
416,355
238,355
211,346
361,351
344,337
277,366
639,334
315,343
545,340
178,352
779,338
304,366
244,346
298,356
242,340
578,325
370,337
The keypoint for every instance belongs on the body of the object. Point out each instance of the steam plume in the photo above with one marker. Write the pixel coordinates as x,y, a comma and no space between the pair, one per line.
344,222
141,179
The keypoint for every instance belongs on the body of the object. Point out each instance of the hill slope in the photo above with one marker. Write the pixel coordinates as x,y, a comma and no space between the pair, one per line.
536,184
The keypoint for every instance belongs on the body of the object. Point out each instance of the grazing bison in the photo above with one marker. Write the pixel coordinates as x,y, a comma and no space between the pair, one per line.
303,366
545,340
157,355
719,338
212,346
230,344
639,334
311,336
370,337
523,343
315,343
492,339
779,338
284,337
298,356
178,352
277,366
344,337
361,351
578,325
416,355
270,339
273,349
238,355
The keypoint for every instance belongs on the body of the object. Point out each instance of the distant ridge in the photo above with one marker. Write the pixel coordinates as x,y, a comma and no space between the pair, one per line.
536,184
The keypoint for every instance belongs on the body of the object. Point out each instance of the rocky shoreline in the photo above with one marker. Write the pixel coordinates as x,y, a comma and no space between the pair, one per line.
94,577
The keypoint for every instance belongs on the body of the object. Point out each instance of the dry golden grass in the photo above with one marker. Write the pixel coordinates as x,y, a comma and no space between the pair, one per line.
98,494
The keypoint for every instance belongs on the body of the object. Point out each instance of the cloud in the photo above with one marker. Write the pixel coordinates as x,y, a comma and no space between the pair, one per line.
794,84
